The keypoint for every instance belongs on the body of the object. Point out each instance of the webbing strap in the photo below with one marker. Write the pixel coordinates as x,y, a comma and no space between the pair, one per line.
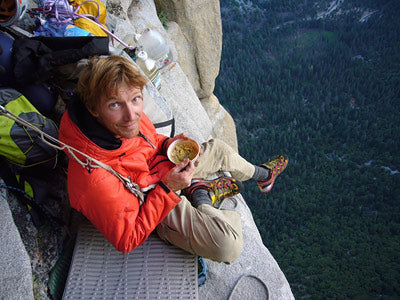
167,123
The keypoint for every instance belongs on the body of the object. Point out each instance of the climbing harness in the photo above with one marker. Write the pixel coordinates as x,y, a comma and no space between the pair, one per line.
89,162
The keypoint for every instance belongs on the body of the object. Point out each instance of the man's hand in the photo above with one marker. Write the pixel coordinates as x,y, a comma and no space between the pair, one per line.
180,176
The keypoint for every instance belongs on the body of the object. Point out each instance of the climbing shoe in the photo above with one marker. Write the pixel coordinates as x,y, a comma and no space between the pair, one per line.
218,189
275,167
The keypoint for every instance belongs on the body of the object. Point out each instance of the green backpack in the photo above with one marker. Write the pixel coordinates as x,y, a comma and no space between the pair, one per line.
19,144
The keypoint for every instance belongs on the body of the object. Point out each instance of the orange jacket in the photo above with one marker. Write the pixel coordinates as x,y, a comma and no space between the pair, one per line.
102,197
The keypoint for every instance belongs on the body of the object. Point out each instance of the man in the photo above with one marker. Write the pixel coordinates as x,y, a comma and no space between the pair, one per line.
108,124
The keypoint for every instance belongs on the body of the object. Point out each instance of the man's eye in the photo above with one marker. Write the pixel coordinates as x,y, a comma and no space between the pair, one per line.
113,105
136,99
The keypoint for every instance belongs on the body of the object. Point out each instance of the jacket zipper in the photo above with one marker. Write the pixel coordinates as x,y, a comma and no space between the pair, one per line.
141,135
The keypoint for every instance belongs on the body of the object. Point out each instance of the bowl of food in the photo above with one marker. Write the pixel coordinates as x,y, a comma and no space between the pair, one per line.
183,148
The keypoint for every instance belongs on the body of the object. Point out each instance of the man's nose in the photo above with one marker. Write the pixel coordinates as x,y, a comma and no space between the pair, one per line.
130,112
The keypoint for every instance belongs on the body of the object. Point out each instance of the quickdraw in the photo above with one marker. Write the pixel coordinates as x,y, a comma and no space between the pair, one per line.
89,162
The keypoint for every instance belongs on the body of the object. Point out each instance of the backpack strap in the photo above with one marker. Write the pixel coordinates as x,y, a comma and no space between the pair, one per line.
170,122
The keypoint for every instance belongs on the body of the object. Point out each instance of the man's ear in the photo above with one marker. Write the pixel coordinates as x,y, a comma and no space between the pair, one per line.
93,112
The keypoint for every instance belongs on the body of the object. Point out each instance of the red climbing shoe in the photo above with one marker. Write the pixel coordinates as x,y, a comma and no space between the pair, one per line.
218,189
275,167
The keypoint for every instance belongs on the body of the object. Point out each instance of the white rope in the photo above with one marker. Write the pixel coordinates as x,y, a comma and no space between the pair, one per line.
89,162
249,276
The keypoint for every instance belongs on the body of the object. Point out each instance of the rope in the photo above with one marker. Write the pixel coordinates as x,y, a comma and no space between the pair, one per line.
251,276
56,223
53,220
89,162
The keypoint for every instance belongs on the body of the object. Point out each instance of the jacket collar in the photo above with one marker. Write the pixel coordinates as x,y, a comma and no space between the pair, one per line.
90,127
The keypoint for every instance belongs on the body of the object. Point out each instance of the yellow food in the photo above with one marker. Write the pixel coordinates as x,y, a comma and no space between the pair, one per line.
182,150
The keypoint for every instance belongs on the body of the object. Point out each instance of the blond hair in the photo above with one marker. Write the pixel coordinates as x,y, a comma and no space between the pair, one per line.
103,76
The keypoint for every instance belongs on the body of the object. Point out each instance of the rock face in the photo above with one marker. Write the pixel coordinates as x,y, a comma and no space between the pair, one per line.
254,275
200,24
196,30
222,122
16,276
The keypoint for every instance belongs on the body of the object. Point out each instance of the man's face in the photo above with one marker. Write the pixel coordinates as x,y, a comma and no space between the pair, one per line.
121,113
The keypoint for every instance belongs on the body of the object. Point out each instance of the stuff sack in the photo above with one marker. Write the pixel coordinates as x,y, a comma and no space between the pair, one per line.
36,58
21,145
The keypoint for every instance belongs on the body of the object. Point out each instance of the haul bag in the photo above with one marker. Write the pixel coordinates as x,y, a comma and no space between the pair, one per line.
20,145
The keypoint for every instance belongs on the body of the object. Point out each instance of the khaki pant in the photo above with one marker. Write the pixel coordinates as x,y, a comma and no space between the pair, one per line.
207,231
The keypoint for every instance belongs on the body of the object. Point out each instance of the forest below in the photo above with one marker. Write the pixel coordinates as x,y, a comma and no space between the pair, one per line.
325,90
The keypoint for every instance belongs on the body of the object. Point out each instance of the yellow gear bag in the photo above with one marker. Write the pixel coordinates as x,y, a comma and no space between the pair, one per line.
94,8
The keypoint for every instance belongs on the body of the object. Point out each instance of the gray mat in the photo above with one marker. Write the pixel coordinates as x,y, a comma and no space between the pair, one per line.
154,270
